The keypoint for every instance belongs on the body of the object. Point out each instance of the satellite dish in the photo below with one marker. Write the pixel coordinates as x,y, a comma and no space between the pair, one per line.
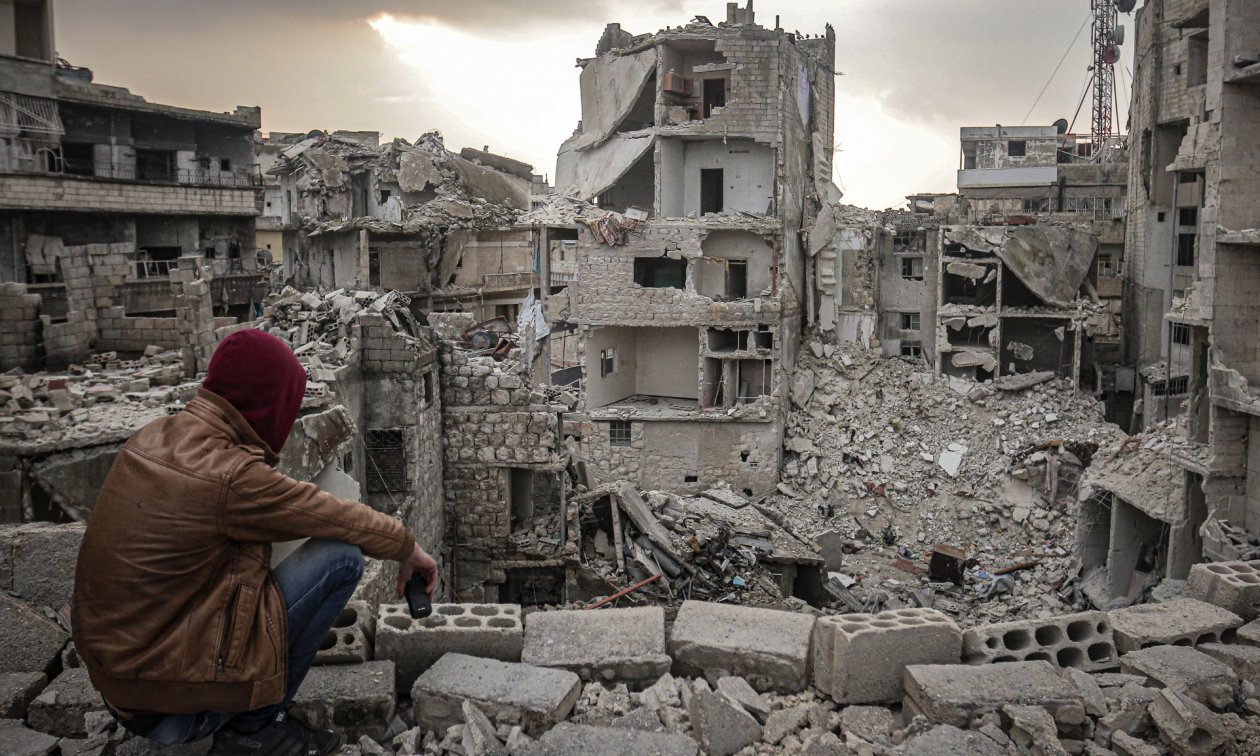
1117,36
1125,6
1111,54
1061,125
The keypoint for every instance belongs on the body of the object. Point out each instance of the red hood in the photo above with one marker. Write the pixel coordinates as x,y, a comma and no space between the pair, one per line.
259,375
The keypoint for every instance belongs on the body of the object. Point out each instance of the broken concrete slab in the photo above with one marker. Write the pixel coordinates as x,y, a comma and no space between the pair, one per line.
354,699
1127,705
613,645
491,631
861,658
1032,727
955,694
768,648
509,693
17,740
17,689
1249,633
1186,671
30,641
1183,621
873,724
723,728
1234,586
739,692
950,739
1081,641
1187,725
1243,659
479,734
569,739
783,722
830,545
61,707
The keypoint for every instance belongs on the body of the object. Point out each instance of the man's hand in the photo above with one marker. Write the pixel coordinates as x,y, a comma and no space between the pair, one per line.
420,562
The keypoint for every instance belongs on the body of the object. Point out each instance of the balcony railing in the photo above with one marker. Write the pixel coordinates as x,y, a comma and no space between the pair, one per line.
52,165
155,268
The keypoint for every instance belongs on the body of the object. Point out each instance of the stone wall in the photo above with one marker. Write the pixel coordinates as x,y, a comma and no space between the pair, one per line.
95,195
19,328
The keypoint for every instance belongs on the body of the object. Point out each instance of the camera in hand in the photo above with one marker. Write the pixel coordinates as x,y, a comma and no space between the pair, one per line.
418,598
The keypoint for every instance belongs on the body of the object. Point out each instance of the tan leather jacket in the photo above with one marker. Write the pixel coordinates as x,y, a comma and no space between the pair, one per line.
175,610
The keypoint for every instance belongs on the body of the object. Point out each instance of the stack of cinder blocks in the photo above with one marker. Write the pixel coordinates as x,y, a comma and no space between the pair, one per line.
861,658
1234,586
491,631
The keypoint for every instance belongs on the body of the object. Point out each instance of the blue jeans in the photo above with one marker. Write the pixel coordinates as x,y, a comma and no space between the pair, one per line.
316,581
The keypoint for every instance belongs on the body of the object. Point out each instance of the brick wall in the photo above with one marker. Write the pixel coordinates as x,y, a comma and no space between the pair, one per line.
94,195
19,328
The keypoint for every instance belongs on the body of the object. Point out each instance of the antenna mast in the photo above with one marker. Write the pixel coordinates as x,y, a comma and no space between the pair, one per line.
1106,53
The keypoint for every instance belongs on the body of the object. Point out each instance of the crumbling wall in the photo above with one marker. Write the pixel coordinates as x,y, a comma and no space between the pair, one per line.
20,339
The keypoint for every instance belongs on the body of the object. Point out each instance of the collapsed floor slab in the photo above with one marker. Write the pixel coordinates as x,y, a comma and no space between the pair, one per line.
768,648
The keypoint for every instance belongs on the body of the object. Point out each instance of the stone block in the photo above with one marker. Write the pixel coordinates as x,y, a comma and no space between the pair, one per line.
722,727
1187,725
44,558
768,648
569,739
29,642
490,631
1081,641
1230,585
861,658
350,639
354,699
17,740
1243,659
1182,621
873,724
509,693
612,645
739,692
60,708
16,691
955,694
1186,671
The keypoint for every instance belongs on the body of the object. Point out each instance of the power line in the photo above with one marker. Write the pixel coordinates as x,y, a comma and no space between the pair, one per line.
1056,68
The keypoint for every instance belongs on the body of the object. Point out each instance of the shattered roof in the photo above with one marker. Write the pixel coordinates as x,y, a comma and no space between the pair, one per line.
1051,261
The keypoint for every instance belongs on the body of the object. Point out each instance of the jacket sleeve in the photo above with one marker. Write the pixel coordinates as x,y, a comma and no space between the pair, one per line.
264,504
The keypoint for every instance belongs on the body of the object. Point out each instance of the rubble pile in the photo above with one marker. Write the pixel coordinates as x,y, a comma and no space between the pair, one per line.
714,547
104,396
318,326
892,461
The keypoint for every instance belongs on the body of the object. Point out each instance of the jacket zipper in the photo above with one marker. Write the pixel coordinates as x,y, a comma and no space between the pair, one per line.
228,623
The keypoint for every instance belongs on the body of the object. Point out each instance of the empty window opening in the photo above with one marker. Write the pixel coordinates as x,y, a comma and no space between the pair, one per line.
1017,148
764,338
619,433
690,478
1188,216
386,461
1181,334
79,159
1197,60
532,586
427,387
912,268
911,349
607,362
714,95
660,272
711,186
1185,249
374,268
520,495
737,279
909,321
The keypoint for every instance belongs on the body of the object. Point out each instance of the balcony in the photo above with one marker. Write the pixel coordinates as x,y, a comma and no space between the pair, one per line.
179,193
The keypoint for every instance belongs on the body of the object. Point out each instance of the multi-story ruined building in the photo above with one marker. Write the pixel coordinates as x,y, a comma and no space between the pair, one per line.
442,227
1191,275
101,195
713,144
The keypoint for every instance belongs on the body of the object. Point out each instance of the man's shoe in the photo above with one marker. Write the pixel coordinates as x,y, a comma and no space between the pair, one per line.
283,737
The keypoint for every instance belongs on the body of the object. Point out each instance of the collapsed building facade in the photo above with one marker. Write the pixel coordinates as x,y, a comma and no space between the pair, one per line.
102,196
439,226
1186,489
706,150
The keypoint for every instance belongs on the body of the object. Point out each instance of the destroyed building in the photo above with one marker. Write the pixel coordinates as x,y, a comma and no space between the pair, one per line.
1185,489
102,195
439,226
704,150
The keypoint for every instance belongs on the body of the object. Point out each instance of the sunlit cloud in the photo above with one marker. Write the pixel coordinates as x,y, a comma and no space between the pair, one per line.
880,159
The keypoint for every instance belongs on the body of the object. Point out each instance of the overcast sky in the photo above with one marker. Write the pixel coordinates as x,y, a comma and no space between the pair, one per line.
500,73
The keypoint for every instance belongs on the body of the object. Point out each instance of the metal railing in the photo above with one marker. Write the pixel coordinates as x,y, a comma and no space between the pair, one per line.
155,268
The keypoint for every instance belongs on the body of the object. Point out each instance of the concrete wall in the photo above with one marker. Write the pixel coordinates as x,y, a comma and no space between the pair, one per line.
668,362
93,195
748,176
603,390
